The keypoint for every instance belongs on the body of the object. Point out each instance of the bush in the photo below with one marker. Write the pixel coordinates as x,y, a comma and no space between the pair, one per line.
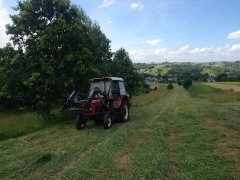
146,88
155,88
187,83
170,86
180,82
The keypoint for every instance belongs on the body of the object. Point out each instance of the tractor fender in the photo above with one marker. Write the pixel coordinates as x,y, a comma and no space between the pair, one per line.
122,99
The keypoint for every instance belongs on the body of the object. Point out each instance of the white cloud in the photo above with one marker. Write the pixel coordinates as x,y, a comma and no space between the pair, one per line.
4,19
186,53
184,48
180,51
160,51
109,22
137,5
234,35
152,42
234,48
135,55
200,50
107,3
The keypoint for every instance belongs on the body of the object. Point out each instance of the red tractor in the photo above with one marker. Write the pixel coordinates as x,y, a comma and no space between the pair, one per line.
107,100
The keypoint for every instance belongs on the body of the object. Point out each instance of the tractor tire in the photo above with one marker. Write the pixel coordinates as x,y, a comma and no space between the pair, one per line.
107,121
124,112
80,122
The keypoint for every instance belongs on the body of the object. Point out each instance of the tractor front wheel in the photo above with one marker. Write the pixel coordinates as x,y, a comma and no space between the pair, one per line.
107,122
80,122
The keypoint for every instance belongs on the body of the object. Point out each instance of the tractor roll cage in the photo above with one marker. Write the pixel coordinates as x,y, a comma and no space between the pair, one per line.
107,91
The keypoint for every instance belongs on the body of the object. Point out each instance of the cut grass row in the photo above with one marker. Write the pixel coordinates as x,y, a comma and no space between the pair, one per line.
146,99
174,137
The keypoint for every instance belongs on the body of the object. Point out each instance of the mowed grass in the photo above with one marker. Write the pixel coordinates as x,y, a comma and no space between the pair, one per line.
213,94
145,99
174,136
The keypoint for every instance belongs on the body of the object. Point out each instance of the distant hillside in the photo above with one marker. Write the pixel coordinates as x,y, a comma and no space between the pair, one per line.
197,71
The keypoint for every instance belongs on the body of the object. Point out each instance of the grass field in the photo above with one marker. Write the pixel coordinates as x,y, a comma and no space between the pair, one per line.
225,86
232,83
14,124
174,135
207,91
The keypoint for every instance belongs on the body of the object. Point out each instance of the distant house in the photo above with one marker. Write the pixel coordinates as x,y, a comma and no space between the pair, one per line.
211,79
161,80
150,79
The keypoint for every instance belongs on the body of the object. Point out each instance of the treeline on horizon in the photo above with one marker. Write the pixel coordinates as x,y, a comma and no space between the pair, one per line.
57,48
220,71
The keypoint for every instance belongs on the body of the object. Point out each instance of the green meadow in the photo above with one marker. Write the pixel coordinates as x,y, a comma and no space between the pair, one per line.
172,134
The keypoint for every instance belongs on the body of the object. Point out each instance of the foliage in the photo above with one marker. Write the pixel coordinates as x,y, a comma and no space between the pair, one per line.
187,83
146,88
60,48
170,86
221,77
122,66
180,82
10,76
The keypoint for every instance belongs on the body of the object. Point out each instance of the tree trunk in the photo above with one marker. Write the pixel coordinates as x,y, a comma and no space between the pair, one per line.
48,108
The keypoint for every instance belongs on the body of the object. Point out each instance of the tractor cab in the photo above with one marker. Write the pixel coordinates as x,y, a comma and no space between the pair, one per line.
112,87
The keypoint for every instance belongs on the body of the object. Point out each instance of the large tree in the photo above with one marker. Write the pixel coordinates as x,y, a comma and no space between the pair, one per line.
61,48
9,77
122,66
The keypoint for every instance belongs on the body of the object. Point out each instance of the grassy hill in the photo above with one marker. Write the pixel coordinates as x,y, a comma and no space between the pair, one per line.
212,68
172,134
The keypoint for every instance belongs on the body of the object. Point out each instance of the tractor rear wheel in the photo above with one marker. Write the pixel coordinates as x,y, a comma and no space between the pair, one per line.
80,122
107,121
124,112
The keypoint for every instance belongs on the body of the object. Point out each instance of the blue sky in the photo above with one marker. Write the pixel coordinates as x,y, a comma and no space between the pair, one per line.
163,30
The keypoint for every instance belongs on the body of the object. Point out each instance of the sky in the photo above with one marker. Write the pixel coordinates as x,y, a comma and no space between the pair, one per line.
162,30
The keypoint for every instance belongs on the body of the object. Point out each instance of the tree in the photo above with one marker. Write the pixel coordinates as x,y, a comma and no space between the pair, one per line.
222,77
122,66
170,86
9,76
60,49
187,83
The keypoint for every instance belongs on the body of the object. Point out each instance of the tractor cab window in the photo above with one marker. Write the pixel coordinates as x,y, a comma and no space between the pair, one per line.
97,84
122,88
115,88
104,86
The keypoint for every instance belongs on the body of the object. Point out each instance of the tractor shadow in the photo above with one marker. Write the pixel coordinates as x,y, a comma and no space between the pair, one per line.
92,125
